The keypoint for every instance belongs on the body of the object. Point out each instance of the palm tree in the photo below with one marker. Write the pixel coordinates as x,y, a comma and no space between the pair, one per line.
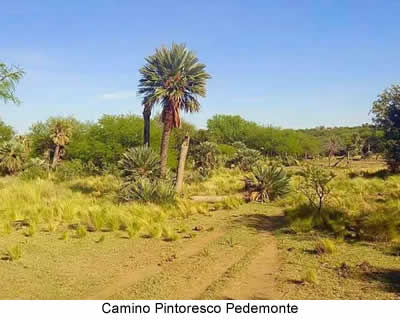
12,157
61,132
173,78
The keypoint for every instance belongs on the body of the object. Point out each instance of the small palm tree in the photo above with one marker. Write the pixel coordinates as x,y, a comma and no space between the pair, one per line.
12,157
61,132
173,78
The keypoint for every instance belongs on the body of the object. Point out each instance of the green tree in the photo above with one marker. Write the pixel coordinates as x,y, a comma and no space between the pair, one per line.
9,77
173,78
6,132
386,111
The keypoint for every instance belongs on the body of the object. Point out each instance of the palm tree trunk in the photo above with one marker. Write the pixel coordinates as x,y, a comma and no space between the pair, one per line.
146,130
181,165
164,148
55,157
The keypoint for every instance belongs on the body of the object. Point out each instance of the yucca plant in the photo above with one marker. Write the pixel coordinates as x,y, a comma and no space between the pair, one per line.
267,183
12,157
140,162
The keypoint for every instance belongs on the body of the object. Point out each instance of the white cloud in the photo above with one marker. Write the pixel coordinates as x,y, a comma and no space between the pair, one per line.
118,95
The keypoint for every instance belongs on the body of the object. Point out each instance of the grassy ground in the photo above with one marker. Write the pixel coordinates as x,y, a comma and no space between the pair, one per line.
72,240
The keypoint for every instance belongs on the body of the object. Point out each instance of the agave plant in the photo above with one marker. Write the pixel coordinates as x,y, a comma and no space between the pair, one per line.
146,190
267,183
12,157
140,162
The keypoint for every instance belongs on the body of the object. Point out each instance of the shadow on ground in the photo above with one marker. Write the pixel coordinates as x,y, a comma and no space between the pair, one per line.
389,278
261,222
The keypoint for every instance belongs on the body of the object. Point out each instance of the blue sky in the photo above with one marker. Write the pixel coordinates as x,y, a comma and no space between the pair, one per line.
287,63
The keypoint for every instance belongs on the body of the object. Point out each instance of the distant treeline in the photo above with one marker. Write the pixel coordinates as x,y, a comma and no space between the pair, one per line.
103,142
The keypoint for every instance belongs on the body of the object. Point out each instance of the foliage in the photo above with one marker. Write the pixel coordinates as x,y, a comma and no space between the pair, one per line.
146,190
6,132
377,225
70,169
139,162
174,78
205,157
12,157
14,253
266,183
315,185
244,158
35,168
325,246
9,77
266,139
386,110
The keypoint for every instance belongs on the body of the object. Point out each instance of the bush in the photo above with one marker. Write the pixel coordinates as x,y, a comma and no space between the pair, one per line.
35,168
205,157
315,186
145,190
14,253
325,246
378,225
304,218
140,162
70,169
267,183
244,158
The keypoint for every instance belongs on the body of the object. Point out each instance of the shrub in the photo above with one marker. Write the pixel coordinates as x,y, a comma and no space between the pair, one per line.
244,158
266,183
310,277
155,230
325,246
31,231
35,168
205,157
81,232
169,234
304,218
133,228
378,225
145,190
315,186
70,169
140,162
14,253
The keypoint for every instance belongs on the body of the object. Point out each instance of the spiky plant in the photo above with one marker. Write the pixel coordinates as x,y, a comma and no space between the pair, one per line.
145,190
12,157
173,78
140,162
267,183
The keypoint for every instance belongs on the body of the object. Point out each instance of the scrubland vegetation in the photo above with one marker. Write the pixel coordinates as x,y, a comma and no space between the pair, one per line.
330,197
